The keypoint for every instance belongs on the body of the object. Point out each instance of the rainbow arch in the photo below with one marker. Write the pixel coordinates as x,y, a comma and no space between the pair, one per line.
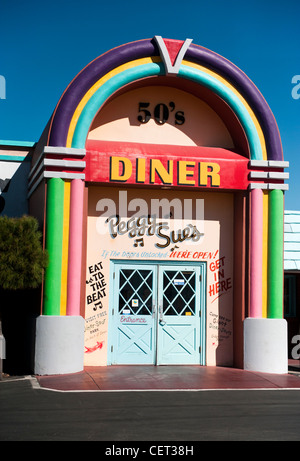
137,60
68,131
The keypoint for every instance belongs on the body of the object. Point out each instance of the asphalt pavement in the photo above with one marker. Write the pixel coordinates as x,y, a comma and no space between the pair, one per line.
146,419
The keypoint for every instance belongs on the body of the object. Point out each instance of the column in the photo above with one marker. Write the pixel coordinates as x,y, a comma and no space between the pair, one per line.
275,266
265,339
54,236
75,247
60,338
256,253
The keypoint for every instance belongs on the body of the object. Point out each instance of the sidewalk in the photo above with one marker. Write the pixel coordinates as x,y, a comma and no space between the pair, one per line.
143,377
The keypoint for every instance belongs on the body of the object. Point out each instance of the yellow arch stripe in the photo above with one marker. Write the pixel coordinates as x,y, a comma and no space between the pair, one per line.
65,248
97,85
265,253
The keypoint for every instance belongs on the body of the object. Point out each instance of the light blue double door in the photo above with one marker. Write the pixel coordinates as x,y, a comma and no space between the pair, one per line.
157,314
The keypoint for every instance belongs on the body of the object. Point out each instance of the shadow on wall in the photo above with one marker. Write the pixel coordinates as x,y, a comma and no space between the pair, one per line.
14,188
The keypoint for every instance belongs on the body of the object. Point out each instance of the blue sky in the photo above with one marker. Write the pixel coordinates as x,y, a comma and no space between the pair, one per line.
44,44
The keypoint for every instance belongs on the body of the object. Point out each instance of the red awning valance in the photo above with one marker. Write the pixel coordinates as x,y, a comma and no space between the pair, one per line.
165,165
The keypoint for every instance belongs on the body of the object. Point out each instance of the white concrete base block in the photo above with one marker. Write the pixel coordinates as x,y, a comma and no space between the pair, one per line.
265,345
59,345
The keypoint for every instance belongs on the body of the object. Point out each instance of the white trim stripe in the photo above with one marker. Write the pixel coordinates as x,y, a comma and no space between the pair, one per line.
269,164
72,151
266,186
268,175
63,175
64,163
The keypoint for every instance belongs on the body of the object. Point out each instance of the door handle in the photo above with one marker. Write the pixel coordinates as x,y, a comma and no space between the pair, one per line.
161,316
153,310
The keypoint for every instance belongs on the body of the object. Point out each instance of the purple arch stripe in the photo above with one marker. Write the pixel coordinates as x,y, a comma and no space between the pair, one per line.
62,116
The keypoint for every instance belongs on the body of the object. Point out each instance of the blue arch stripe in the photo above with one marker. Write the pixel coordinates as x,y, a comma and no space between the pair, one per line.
232,100
104,92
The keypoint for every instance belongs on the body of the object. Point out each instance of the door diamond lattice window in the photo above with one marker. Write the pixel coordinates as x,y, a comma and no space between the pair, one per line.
179,293
136,287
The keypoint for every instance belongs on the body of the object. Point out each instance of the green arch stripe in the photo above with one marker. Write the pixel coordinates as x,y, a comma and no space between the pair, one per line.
146,70
54,235
275,247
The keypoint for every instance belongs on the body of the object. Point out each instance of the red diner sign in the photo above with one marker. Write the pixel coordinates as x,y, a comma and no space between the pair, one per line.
165,165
